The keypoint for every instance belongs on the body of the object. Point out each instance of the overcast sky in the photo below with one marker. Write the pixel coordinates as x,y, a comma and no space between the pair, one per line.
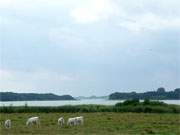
89,47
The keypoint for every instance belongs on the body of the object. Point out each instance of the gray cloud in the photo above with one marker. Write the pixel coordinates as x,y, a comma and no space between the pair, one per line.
122,46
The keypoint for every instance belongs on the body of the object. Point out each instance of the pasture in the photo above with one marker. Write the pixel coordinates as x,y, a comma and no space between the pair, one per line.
99,123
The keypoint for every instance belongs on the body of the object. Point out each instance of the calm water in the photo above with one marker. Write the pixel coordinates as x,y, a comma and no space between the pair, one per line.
77,102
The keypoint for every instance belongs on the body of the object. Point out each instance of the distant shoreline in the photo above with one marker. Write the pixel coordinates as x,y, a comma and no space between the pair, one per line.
147,106
160,94
11,96
54,103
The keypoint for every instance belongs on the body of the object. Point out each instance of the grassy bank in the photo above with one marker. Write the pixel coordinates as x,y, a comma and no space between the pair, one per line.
127,106
95,124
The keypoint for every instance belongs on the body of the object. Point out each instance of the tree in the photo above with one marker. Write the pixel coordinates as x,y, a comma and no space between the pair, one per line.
177,90
161,90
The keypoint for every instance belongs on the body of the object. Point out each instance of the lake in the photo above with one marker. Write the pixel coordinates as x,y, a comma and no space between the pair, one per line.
73,102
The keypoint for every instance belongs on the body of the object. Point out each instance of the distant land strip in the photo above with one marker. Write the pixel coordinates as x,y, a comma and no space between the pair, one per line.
10,96
160,94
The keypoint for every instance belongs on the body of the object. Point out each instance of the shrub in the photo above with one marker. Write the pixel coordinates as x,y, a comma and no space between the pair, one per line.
131,102
146,102
118,104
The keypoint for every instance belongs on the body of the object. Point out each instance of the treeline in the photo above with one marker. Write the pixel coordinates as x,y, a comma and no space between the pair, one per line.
160,94
127,106
10,96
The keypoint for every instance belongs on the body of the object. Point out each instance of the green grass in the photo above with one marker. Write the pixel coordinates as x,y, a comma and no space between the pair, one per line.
95,124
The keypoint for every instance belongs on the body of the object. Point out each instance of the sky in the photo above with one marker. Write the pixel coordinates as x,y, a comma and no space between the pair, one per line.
89,47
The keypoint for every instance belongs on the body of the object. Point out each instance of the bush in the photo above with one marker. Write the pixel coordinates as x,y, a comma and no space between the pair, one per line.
146,102
131,102
118,104
157,103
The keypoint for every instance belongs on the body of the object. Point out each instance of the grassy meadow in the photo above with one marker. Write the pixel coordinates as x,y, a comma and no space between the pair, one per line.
98,123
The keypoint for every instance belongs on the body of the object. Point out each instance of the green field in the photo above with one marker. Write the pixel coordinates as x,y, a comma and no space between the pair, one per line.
95,124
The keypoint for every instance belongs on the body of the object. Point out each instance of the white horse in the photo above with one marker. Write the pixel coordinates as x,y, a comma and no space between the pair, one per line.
7,124
80,120
32,121
71,122
61,121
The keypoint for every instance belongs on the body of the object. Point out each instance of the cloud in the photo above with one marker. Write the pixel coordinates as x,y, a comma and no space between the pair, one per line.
149,21
93,11
77,42
65,37
38,80
133,16
89,44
